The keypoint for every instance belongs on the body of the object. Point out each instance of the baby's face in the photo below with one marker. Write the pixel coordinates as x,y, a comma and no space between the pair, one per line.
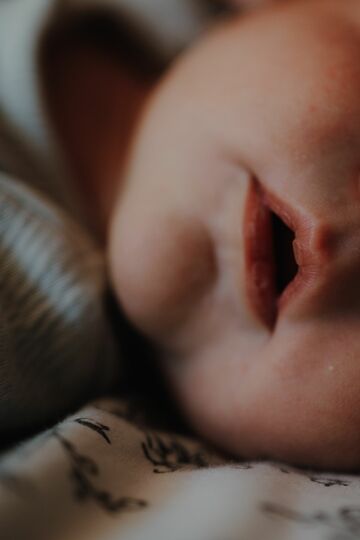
259,337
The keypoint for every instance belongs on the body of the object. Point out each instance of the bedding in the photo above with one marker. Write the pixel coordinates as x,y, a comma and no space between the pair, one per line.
106,471
102,474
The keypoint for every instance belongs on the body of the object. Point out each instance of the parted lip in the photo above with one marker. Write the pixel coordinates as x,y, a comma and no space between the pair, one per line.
311,247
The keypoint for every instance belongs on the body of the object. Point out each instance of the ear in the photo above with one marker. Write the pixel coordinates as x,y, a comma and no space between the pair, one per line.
93,96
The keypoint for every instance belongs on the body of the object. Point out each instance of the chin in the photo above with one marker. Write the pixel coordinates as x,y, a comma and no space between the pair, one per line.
327,448
264,419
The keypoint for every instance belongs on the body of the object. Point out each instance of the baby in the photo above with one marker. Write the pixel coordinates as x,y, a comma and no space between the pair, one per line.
258,124
235,233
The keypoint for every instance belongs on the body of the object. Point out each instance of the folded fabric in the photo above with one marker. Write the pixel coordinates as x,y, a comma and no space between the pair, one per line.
55,340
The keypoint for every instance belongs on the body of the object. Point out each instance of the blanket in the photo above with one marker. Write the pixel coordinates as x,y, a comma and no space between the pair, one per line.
103,474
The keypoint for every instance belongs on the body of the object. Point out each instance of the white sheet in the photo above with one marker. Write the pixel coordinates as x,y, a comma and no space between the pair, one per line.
98,476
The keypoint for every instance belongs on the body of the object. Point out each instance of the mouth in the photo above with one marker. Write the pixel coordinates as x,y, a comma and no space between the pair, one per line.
279,263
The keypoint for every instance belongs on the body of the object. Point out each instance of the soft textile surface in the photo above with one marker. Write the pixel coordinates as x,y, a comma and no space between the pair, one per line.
101,476
102,473
55,337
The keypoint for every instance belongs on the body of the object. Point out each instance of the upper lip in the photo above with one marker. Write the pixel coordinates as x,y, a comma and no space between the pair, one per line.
311,248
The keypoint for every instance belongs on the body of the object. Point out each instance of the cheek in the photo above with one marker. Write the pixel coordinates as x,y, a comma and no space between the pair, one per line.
161,266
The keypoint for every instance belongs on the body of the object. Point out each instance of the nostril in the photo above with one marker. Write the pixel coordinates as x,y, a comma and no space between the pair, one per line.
286,266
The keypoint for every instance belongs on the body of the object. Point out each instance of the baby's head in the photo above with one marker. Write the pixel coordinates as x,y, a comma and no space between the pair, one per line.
261,119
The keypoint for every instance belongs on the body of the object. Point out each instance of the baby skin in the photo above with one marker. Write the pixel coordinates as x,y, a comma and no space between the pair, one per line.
235,236
261,118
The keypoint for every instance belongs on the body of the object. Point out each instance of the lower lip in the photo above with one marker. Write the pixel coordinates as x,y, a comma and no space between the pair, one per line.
259,253
259,258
